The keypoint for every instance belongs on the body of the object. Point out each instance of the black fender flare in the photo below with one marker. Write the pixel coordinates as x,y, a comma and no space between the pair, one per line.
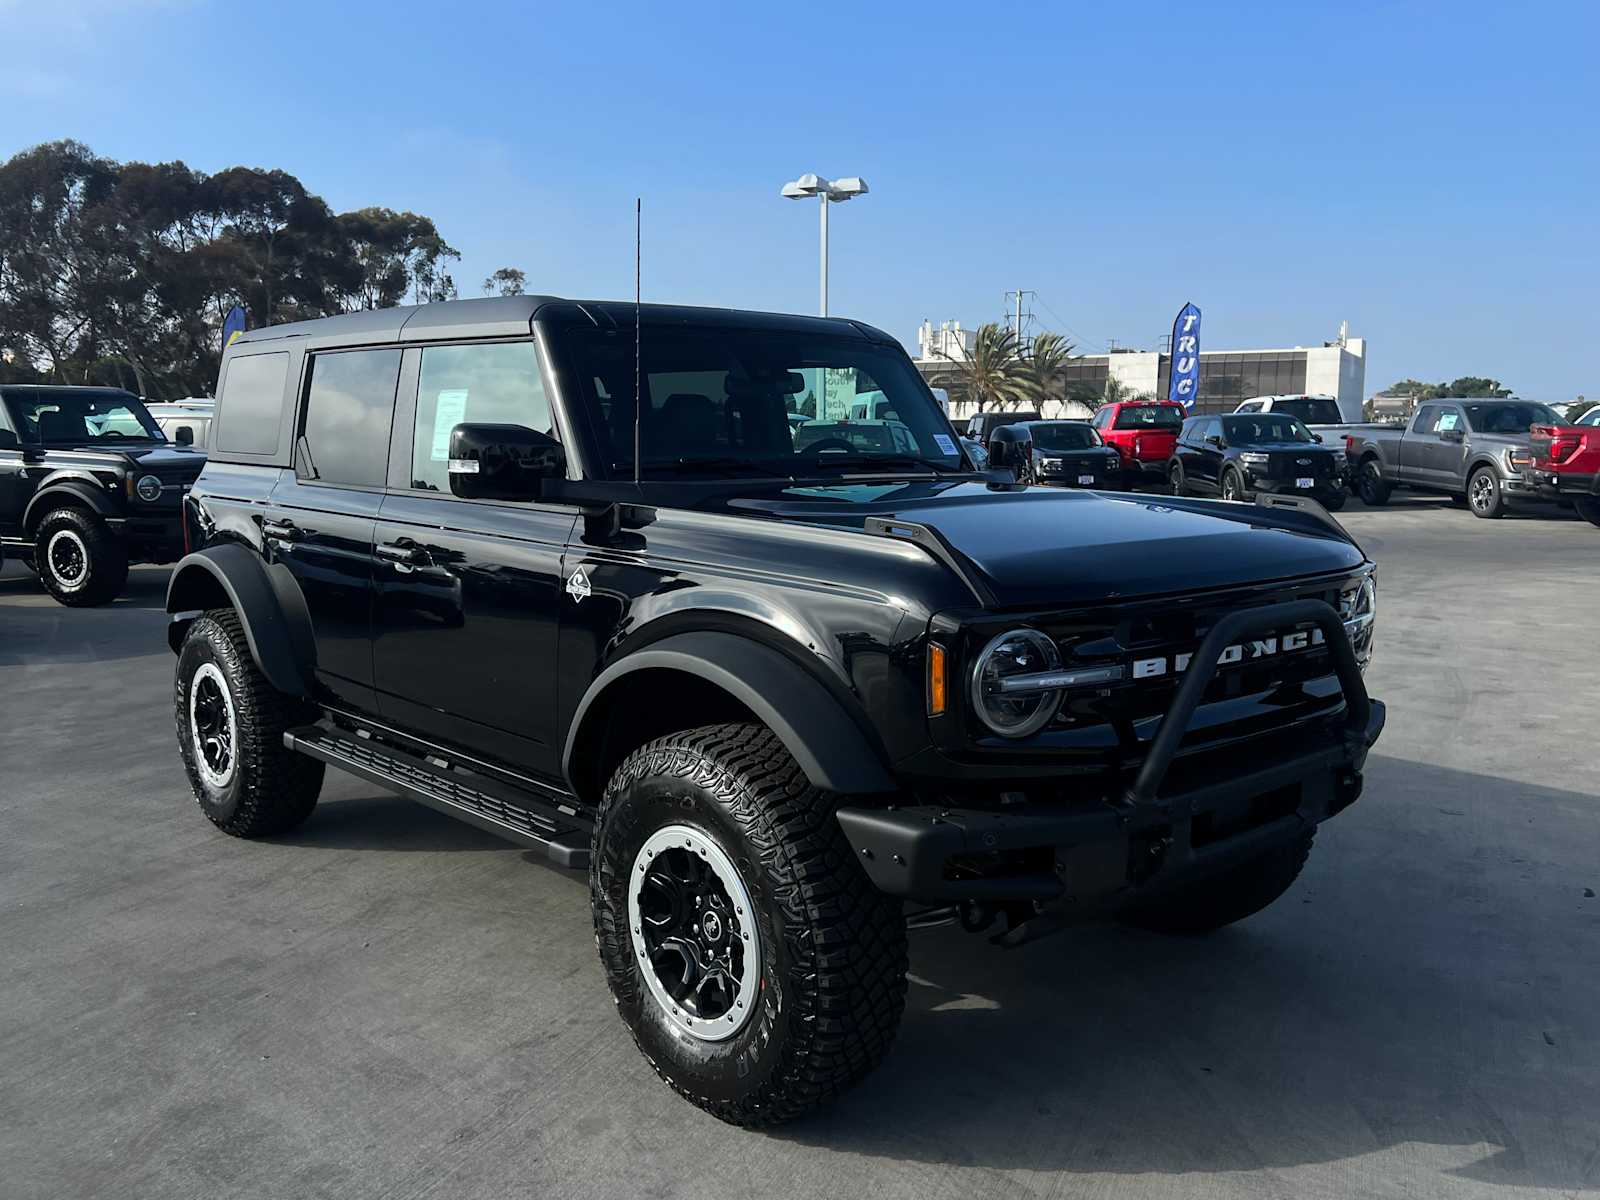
277,645
813,725
81,490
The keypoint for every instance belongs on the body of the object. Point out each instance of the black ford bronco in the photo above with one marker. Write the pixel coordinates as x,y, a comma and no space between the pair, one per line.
88,484
559,569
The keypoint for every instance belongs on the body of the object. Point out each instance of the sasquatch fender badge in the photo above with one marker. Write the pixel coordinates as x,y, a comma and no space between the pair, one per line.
578,585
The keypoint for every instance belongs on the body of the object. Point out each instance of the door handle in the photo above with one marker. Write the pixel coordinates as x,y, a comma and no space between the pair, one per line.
284,531
403,552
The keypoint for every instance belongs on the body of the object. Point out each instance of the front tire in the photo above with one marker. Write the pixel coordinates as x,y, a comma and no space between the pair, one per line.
1588,509
1232,485
757,968
1209,904
230,724
1334,502
80,561
1484,495
1179,485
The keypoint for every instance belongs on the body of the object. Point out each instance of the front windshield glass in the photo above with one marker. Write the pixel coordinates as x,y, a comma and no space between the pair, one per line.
71,418
1064,435
1260,429
1517,417
1313,410
721,401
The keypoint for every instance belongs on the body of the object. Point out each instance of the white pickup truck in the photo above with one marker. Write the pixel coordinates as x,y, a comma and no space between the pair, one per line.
1320,414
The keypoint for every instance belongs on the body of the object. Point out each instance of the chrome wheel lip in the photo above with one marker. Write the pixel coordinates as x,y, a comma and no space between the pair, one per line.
216,761
66,540
686,838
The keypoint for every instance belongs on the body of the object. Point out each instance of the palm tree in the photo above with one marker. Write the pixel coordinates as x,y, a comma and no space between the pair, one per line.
1042,367
1115,390
990,374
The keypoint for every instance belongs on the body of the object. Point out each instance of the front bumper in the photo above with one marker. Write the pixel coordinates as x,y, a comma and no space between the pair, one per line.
1147,840
1333,485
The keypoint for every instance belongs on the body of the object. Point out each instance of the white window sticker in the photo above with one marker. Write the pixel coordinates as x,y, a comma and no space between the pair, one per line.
1448,421
944,443
449,412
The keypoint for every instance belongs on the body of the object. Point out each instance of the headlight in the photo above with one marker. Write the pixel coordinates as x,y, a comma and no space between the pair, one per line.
1358,608
1018,653
1254,460
148,488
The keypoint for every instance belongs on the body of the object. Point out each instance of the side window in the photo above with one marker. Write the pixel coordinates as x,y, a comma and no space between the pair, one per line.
1426,416
496,382
344,433
1251,406
251,404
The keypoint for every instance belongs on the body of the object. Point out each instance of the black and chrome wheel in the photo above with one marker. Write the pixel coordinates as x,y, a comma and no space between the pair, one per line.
80,561
1484,494
695,934
755,965
1232,485
1175,480
230,724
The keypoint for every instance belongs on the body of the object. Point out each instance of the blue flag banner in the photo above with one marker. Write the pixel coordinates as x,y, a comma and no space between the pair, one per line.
232,325
1185,378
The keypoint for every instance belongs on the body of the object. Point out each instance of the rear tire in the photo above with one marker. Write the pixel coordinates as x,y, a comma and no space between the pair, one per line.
1485,496
80,561
722,820
1209,904
1371,486
230,724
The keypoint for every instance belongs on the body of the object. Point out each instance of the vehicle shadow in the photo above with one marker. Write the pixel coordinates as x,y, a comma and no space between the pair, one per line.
1442,1016
36,630
386,822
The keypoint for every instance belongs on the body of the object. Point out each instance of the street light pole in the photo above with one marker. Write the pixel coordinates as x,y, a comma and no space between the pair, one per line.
827,192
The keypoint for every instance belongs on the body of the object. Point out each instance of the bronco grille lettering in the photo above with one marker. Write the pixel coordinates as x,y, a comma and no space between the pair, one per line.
1251,651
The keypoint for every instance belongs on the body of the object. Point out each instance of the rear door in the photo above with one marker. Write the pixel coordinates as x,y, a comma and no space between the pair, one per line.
321,517
468,591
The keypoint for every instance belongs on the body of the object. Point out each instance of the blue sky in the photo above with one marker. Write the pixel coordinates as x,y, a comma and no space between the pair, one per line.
1430,173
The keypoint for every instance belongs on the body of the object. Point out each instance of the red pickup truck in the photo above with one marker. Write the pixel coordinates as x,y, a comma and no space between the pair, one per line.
1566,464
1144,433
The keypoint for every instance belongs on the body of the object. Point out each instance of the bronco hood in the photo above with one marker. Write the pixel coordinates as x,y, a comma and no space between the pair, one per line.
1039,548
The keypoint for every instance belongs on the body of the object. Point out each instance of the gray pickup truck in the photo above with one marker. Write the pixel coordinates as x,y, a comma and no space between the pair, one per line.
1471,450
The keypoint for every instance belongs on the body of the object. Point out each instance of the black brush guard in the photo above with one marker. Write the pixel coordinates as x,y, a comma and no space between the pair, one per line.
1144,839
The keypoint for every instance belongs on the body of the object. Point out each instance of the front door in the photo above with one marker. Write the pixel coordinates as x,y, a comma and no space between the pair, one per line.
1443,451
468,591
319,520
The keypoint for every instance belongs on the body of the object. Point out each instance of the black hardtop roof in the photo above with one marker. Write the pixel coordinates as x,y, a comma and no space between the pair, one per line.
34,388
510,316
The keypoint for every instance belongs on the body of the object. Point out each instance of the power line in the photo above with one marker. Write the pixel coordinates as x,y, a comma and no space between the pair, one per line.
1059,320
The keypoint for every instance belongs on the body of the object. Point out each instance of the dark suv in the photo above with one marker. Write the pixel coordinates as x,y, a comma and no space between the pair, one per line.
560,570
88,484
1242,455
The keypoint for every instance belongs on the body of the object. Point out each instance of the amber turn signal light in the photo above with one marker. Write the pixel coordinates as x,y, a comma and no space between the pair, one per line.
936,680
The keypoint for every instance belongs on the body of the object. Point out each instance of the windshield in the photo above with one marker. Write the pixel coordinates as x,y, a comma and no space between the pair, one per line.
1149,416
1516,417
1259,429
1313,410
1064,435
723,399
67,417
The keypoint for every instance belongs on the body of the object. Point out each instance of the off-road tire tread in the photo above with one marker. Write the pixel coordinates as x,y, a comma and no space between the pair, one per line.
280,787
1209,904
846,940
108,558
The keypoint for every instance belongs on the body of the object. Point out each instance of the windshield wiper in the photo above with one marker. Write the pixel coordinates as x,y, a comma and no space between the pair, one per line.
727,464
886,460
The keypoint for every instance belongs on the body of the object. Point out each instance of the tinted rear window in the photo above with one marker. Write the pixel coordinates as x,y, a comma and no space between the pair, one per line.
349,409
1311,411
251,404
1150,416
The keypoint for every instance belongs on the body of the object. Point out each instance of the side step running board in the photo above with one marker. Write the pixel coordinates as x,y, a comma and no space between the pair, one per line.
499,808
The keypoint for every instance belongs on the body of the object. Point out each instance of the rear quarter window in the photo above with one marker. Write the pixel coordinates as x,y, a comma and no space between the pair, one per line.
250,406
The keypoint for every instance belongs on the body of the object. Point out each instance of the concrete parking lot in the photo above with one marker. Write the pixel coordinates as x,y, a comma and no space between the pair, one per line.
388,1003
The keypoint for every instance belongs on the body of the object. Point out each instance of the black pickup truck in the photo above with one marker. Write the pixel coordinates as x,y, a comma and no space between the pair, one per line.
88,484
561,570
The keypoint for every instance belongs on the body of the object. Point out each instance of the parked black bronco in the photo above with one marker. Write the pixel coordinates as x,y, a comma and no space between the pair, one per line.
88,484
765,696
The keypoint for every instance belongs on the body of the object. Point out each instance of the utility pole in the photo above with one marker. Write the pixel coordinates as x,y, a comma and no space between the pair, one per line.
1019,294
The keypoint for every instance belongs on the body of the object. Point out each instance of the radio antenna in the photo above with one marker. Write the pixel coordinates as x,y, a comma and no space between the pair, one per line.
638,408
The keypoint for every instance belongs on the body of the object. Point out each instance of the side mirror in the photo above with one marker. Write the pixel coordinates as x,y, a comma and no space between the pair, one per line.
1011,449
184,435
503,462
1215,439
1453,435
8,440
1317,437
